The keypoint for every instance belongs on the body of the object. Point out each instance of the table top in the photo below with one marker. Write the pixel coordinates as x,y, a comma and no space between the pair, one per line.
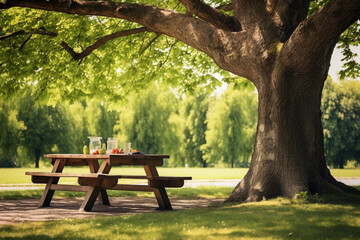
111,159
104,156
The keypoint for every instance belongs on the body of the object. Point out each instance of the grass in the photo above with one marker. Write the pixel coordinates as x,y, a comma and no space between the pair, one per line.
274,219
17,175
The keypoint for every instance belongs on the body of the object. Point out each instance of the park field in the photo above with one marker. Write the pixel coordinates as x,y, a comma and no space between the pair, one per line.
17,175
273,219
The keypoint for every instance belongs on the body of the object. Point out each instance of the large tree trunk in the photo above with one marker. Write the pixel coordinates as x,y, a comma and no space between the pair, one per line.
288,153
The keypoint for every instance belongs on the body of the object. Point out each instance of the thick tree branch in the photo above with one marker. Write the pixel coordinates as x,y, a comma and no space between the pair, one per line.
211,15
201,35
316,36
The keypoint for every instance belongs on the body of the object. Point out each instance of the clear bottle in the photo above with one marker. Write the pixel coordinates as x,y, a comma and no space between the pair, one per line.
94,144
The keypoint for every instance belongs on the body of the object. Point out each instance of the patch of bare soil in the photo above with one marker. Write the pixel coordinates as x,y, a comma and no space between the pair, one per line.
15,211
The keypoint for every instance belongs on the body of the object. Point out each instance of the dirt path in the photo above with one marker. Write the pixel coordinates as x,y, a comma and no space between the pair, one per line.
15,211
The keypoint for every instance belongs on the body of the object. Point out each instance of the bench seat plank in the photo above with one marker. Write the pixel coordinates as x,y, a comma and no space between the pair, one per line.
86,175
49,174
150,177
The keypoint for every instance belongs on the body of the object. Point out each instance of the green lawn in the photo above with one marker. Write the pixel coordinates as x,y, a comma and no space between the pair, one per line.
17,175
274,219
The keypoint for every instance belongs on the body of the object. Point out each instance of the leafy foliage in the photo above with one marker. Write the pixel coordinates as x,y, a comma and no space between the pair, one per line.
46,128
341,122
231,128
123,65
194,112
10,129
149,122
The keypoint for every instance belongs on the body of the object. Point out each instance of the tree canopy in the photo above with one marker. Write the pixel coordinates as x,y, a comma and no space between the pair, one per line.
69,57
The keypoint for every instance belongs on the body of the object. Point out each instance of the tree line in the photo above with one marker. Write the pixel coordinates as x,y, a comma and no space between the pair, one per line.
197,130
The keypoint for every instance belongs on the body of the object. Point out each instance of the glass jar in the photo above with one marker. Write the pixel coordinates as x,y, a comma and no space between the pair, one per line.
94,144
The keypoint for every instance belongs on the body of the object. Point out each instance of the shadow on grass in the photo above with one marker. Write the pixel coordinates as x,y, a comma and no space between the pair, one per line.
273,219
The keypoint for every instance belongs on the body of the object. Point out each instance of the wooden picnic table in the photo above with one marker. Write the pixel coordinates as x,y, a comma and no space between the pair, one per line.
99,179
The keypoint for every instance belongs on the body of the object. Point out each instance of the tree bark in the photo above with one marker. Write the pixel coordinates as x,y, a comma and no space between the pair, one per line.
288,153
37,157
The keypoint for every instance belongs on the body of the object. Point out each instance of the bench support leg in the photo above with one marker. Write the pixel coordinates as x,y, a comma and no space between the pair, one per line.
94,168
162,199
90,199
91,195
160,192
48,194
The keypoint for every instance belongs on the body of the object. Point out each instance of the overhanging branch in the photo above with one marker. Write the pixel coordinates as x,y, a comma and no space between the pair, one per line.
76,56
40,31
211,15
201,35
101,41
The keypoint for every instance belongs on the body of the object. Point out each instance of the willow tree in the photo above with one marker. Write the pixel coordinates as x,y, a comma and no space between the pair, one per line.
279,45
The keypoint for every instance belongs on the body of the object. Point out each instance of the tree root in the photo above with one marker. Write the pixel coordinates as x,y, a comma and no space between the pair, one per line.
244,192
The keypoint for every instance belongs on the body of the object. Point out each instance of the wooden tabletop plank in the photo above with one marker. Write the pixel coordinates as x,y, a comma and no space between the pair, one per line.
104,156
76,156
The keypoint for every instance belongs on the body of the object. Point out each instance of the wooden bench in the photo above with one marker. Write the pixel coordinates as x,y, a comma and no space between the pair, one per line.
108,181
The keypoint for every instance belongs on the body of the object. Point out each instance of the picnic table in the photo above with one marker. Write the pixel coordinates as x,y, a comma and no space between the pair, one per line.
95,183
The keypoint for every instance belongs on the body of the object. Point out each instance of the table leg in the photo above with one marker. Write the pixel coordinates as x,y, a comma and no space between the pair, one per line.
48,194
94,168
160,192
90,199
91,195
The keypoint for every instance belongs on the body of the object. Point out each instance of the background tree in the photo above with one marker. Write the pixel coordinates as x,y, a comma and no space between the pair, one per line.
282,46
148,122
231,128
194,113
10,134
341,121
105,123
45,129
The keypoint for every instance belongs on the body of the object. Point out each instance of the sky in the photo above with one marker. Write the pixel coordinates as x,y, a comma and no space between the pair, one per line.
336,64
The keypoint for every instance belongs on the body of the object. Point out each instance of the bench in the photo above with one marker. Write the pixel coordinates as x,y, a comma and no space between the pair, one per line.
108,181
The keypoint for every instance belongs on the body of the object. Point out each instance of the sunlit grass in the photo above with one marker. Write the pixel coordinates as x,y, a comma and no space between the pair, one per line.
17,175
274,219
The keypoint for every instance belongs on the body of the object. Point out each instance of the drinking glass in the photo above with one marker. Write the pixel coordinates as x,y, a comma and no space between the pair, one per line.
126,147
111,144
